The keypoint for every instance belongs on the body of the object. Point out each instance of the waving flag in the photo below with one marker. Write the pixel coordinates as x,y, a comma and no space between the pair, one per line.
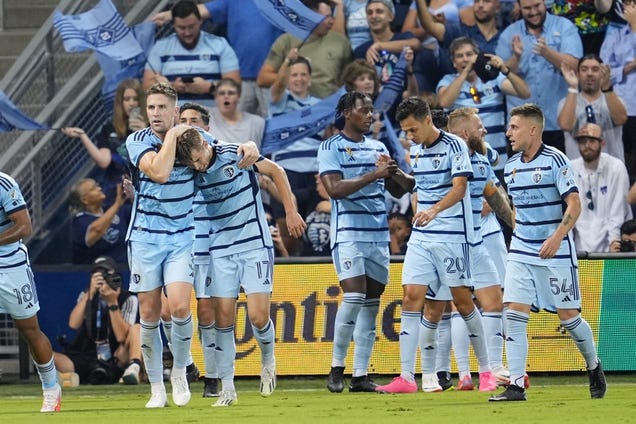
11,118
392,88
286,128
290,16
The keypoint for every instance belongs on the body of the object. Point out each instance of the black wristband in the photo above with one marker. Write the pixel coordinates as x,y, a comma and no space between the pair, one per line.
113,308
611,88
505,74
212,89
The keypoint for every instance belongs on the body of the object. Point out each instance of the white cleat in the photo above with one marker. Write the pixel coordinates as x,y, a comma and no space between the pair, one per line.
52,399
180,390
268,379
430,383
226,398
158,399
131,375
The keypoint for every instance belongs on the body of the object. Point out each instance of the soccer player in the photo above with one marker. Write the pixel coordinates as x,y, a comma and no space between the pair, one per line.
542,264
160,240
18,296
438,251
241,248
355,171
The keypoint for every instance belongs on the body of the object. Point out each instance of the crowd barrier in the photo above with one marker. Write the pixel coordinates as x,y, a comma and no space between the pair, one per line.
305,301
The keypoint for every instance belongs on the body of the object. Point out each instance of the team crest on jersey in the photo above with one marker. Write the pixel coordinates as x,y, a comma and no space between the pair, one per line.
436,162
536,176
228,171
482,169
346,264
136,278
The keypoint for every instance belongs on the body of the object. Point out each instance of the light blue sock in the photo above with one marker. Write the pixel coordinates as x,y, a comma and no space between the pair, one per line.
47,373
516,345
181,341
345,324
444,343
265,338
461,344
494,338
208,342
167,330
152,350
581,333
428,344
364,336
225,353
477,339
409,338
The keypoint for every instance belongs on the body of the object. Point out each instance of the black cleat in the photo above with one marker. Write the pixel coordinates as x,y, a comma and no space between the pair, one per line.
362,384
192,373
444,379
512,393
598,384
335,382
210,387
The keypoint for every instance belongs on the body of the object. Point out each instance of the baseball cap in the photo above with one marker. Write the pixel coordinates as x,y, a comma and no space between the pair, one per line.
484,70
105,263
592,131
388,3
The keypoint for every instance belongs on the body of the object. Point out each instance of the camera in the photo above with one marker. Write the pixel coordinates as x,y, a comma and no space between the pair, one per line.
112,279
626,246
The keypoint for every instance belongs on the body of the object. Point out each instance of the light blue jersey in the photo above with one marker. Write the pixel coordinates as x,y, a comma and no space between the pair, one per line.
201,246
162,213
360,216
233,202
434,168
482,174
537,189
11,254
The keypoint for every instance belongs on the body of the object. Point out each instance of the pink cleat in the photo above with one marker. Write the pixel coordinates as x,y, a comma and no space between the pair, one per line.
398,385
487,382
465,383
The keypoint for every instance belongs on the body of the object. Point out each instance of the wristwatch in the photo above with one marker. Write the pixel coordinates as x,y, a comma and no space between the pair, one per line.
113,307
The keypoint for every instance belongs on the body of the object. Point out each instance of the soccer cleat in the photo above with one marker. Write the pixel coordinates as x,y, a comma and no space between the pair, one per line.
512,393
52,401
68,379
487,382
335,381
268,379
210,387
466,383
226,398
131,375
398,385
430,384
598,384
444,380
158,399
192,373
362,384
180,390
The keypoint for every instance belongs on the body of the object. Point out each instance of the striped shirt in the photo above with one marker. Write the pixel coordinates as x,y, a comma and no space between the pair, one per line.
11,254
482,174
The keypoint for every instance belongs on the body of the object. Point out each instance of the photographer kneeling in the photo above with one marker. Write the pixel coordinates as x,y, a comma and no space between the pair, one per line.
107,345
627,243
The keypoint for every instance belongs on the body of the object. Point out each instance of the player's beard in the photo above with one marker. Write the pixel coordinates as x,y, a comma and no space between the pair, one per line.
476,144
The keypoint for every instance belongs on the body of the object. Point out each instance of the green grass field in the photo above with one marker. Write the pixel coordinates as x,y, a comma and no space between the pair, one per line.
554,399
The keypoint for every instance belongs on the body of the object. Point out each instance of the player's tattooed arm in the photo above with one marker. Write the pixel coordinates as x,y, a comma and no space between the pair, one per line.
498,202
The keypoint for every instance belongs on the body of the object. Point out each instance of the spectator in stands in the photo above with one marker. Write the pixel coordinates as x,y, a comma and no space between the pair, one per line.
19,298
95,231
290,92
385,46
474,85
251,46
107,344
228,122
603,184
329,52
129,115
191,60
316,238
619,52
350,19
590,18
596,103
535,48
627,242
400,231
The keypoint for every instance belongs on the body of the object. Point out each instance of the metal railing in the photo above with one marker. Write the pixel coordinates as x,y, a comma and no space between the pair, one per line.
58,89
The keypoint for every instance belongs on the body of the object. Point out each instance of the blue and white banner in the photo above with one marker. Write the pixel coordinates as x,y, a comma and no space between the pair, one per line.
12,118
290,16
286,128
101,29
392,88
